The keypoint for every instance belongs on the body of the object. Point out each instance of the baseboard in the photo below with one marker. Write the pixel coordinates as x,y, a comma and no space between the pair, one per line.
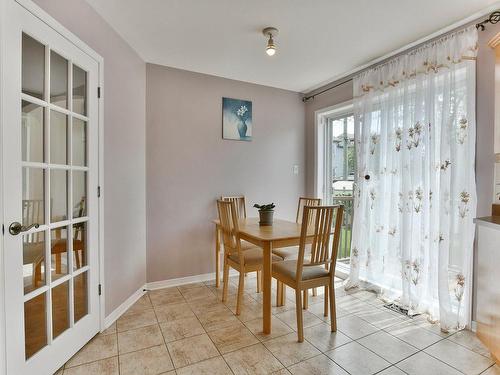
184,280
120,310
473,326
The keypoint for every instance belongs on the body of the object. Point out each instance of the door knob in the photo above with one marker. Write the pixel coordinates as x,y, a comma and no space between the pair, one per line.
15,228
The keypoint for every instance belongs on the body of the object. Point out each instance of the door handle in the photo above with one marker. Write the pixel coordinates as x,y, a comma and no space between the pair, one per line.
15,228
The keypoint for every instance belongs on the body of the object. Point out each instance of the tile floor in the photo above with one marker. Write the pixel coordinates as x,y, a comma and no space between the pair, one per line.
187,330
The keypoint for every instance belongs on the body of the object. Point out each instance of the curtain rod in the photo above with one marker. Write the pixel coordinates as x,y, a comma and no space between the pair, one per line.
493,18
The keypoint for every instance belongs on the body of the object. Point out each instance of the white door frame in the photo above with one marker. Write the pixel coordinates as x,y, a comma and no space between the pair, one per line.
54,24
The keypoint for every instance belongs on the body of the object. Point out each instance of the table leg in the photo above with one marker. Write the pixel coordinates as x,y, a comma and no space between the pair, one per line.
266,286
217,257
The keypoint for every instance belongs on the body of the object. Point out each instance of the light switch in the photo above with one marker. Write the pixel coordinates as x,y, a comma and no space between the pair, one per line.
296,170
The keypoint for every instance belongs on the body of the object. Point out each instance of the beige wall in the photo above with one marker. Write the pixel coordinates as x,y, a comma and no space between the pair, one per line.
124,148
189,164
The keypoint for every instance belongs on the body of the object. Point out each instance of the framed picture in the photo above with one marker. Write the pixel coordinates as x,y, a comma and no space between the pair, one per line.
236,119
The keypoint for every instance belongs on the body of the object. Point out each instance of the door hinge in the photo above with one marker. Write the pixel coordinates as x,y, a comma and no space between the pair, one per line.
98,92
98,192
3,229
99,289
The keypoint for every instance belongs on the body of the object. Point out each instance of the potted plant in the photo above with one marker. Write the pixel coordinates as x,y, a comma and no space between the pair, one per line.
266,212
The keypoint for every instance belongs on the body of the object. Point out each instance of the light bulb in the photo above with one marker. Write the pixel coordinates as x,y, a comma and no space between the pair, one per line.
271,50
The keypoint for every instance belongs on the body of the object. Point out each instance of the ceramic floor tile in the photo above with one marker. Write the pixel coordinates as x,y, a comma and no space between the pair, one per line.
289,351
357,360
283,371
423,364
151,361
393,370
379,318
185,287
140,338
165,296
211,366
413,334
387,346
141,304
252,360
136,320
232,338
108,366
110,330
169,313
191,350
180,329
459,357
290,318
471,341
278,328
320,365
99,347
323,339
201,292
216,319
355,327
493,370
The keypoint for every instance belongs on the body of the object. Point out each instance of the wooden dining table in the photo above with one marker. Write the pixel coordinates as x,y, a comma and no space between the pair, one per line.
282,233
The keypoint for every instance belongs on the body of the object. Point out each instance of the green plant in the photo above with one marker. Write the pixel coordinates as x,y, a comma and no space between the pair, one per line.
265,207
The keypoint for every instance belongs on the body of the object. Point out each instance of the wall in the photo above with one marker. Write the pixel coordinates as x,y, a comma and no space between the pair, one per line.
335,96
189,165
124,148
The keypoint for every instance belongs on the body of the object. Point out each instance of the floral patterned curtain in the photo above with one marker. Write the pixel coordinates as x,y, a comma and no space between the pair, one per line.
415,196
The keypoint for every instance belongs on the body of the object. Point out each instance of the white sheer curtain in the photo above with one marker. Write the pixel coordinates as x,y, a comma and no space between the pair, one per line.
415,196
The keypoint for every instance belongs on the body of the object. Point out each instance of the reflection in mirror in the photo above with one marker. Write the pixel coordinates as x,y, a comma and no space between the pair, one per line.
32,129
80,296
79,142
79,193
59,252
60,309
35,329
79,90
33,261
79,245
58,195
58,134
33,67
33,196
58,80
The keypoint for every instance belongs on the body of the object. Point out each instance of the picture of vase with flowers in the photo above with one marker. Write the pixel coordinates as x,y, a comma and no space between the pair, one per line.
236,119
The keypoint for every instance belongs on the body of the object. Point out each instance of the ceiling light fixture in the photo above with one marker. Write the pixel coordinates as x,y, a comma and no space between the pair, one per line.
270,32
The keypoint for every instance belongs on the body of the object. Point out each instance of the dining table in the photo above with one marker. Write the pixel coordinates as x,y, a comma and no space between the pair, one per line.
282,233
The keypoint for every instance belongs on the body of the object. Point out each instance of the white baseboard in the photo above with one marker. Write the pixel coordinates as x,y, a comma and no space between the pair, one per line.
120,310
185,280
473,326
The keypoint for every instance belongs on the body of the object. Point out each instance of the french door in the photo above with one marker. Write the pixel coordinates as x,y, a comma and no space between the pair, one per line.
50,178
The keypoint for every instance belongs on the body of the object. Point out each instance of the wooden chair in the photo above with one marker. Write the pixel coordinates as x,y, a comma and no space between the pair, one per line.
243,261
319,270
292,252
241,213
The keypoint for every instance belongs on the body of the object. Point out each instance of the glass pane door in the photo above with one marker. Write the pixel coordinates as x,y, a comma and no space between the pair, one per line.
51,149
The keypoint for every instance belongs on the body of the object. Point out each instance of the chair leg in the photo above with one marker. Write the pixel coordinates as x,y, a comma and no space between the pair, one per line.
298,308
259,281
279,290
315,292
241,288
333,313
325,309
283,294
306,299
225,281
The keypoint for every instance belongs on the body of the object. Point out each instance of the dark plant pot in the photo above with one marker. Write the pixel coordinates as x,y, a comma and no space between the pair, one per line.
266,217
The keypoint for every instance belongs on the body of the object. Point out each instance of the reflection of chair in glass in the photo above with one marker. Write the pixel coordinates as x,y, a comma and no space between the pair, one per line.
33,243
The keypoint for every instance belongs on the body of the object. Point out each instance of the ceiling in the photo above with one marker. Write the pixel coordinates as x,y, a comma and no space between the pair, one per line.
318,39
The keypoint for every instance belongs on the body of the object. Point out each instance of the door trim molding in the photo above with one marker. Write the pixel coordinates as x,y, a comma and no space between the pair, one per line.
45,17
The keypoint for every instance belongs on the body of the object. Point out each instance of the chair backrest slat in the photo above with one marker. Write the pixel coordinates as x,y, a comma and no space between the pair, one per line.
229,226
304,201
323,252
240,205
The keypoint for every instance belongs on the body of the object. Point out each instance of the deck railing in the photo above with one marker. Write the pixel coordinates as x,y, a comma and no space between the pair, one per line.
344,253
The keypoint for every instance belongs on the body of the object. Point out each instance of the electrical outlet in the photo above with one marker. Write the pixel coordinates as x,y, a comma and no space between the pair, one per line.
296,170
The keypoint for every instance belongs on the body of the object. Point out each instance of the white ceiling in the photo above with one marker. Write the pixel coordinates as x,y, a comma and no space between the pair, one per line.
318,39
